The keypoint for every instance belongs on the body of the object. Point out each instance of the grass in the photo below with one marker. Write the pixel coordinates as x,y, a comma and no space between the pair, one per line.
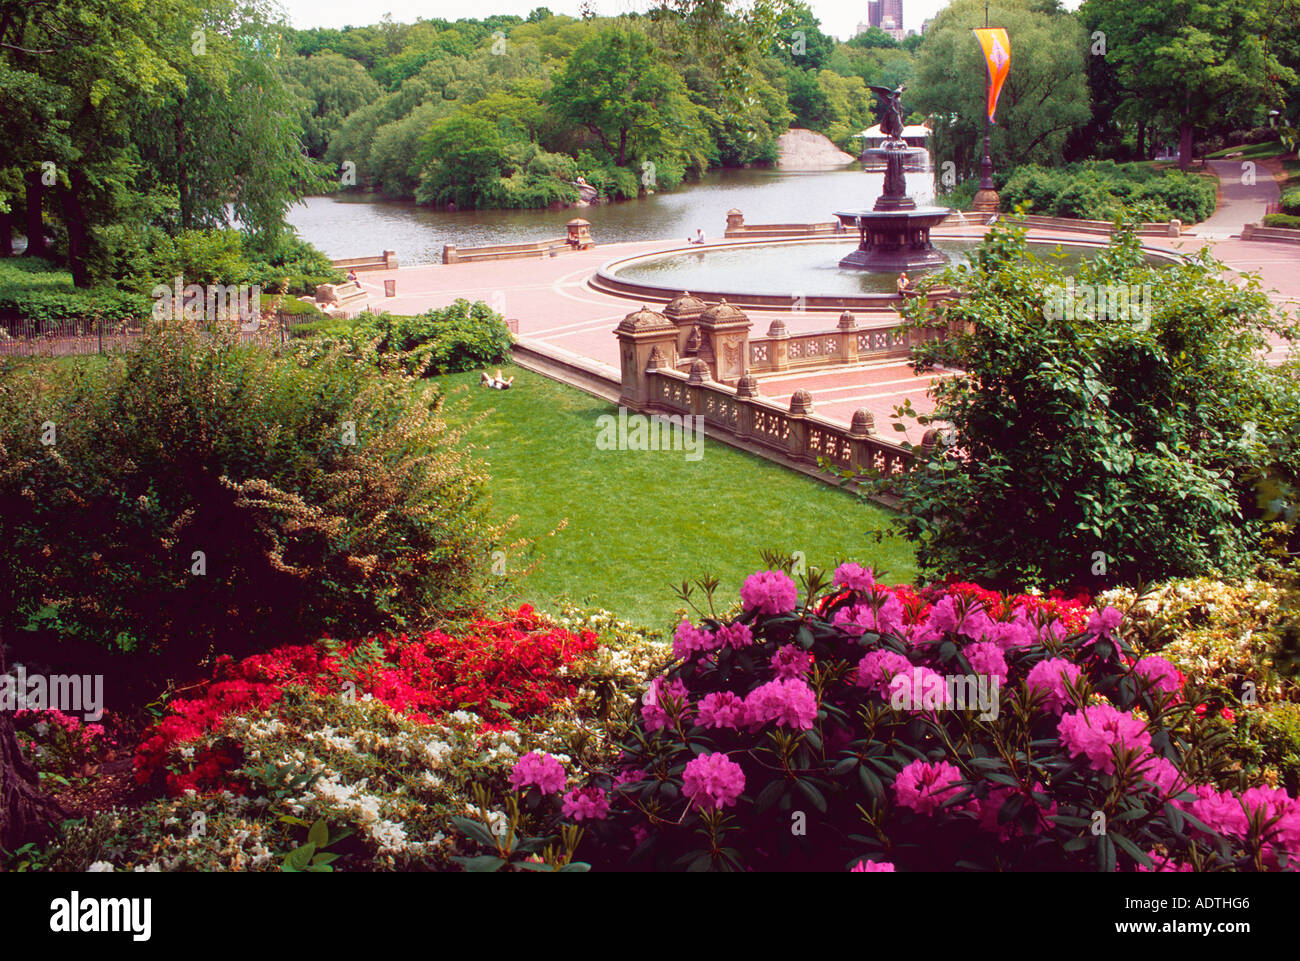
1252,151
640,522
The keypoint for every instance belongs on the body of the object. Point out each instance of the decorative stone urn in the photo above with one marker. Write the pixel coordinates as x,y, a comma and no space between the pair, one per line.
684,311
580,234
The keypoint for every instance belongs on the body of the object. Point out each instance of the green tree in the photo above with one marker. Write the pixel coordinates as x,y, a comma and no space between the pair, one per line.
618,88
330,86
1193,64
1044,98
461,159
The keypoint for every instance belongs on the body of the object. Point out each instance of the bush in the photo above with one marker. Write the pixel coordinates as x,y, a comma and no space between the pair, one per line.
1091,427
1286,221
1099,190
455,338
205,497
1290,201
820,730
35,290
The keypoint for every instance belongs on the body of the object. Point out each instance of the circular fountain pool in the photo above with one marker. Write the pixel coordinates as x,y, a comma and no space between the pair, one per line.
777,274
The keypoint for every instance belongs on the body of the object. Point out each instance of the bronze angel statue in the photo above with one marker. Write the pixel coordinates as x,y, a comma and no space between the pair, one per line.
891,111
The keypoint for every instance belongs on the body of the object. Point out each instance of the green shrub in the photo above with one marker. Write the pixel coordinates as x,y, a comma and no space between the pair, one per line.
323,499
1116,442
1099,189
35,290
1282,220
458,337
1291,201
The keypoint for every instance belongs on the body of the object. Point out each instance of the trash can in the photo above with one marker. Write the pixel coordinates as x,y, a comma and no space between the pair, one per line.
390,288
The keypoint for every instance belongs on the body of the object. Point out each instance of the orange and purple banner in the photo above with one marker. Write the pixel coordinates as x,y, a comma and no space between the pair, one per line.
997,55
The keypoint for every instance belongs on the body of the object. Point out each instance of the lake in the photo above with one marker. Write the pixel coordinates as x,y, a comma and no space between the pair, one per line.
358,225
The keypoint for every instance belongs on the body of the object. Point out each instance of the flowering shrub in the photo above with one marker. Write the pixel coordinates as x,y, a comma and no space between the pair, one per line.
843,734
501,670
59,744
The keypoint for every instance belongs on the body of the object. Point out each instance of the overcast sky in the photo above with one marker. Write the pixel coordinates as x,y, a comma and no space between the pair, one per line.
839,17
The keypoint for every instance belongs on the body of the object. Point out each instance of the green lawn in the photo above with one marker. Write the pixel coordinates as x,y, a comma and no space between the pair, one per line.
1270,148
641,521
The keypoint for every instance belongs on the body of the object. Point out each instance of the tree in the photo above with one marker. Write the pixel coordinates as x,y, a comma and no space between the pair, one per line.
1044,98
873,38
617,87
1091,440
1192,65
462,156
330,86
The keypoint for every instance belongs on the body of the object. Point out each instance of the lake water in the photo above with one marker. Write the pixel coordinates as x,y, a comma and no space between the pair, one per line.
358,225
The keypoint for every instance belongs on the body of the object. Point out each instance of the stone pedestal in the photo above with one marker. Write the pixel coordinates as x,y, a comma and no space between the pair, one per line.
724,342
986,202
646,339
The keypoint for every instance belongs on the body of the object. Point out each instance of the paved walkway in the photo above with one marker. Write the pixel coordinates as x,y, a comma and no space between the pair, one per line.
556,309
1240,203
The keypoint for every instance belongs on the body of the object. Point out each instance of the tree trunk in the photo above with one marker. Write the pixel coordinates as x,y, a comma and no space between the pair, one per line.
622,147
1185,146
35,228
1142,140
25,813
6,235
74,218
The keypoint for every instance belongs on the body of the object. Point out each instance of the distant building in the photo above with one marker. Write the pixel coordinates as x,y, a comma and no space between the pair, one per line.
926,25
891,18
873,14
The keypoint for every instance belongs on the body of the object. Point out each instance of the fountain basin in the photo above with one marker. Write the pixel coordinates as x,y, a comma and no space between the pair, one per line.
894,240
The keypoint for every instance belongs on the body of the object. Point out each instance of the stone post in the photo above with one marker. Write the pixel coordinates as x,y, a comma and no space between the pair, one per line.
860,431
1175,228
390,260
801,405
645,340
746,394
778,346
449,255
699,376
724,342
684,311
848,328
735,222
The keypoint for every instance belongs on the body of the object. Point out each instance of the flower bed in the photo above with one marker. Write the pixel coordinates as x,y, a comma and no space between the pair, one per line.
844,732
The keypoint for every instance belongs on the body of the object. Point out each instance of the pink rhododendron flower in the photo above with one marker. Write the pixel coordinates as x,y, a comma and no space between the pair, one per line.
881,615
1164,776
1099,731
919,689
955,615
585,804
788,702
1103,625
988,808
688,640
1052,677
1220,810
872,866
652,709
1009,635
769,592
790,661
738,635
855,577
877,668
1162,675
713,780
721,709
542,770
986,658
924,785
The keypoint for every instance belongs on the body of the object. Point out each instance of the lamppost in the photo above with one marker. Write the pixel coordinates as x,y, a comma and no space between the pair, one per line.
986,198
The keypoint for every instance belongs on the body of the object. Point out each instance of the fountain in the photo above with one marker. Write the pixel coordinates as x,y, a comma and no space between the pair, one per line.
895,233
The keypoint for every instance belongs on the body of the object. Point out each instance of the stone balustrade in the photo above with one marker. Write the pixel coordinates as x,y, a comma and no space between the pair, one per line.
385,261
708,342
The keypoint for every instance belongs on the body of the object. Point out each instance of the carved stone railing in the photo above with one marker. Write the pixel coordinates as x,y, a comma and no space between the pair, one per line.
847,344
795,432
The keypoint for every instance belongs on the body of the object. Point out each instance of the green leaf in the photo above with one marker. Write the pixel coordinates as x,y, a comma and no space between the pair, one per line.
812,794
484,864
319,834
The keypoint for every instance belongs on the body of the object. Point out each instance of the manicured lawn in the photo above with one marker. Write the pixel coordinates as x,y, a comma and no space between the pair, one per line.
1249,151
641,521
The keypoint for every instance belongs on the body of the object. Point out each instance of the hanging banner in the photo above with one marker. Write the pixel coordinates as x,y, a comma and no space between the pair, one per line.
997,55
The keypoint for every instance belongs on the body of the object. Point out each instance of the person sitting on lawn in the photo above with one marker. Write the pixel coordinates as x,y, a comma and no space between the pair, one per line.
496,382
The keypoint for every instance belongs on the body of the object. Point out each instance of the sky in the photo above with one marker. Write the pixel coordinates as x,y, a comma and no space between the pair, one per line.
839,17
